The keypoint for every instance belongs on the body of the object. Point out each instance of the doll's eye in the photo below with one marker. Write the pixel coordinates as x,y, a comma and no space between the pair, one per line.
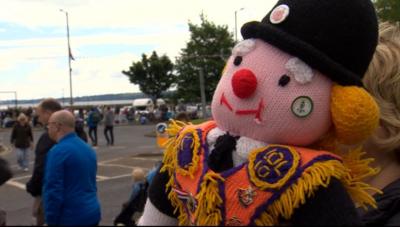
284,80
238,60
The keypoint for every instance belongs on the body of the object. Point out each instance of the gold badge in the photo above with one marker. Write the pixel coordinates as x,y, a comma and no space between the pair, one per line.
234,221
246,196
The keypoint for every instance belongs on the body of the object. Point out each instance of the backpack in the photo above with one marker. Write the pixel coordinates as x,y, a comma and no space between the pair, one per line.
96,118
135,205
140,200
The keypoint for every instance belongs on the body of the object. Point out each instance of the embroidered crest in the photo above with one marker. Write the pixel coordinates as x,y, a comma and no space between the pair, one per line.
272,166
187,148
246,196
185,152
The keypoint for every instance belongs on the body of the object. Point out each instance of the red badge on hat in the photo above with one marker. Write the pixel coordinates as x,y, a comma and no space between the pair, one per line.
279,14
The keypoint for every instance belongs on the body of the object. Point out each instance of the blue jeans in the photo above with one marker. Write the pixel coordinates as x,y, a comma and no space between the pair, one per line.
23,157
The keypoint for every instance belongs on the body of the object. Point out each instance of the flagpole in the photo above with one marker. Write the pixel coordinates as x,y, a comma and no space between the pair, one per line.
69,62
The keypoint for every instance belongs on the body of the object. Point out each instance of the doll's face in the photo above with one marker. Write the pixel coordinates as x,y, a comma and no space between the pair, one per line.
270,96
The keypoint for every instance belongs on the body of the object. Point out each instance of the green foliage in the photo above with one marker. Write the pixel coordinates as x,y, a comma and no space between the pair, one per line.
208,48
388,10
154,75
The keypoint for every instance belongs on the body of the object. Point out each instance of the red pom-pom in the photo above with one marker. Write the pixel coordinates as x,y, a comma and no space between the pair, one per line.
244,83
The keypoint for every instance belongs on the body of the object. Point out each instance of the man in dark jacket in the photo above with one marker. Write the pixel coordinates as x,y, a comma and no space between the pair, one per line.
44,144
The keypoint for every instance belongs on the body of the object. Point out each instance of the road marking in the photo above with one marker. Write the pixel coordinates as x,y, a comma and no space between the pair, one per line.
120,176
151,159
147,146
16,184
102,177
111,160
117,165
116,147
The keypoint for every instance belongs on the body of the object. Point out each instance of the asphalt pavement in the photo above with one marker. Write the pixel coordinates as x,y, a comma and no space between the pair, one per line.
133,148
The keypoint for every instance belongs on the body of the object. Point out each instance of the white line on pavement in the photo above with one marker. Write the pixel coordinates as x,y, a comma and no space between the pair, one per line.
110,160
102,177
147,159
16,184
117,165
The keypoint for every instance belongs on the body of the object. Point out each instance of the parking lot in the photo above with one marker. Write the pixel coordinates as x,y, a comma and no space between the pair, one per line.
133,148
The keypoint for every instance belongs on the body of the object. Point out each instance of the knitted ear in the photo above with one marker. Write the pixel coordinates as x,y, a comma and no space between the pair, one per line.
355,114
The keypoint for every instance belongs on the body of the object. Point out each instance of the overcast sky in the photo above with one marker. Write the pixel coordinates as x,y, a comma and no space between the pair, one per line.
106,37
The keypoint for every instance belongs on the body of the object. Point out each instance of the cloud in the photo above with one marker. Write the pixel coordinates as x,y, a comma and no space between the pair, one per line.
154,24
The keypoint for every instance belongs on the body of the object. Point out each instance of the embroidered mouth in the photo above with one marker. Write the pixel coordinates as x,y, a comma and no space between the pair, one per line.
256,112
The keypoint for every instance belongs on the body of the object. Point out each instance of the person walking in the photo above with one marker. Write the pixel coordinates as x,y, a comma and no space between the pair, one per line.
70,190
382,80
93,120
44,144
109,126
22,140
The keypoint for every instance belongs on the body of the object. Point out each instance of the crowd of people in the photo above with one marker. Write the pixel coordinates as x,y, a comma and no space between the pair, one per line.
213,175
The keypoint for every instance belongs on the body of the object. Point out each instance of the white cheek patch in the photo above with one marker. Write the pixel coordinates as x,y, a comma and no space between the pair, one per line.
244,47
301,72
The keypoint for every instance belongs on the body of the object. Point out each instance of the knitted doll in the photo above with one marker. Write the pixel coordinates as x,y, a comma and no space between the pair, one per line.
289,94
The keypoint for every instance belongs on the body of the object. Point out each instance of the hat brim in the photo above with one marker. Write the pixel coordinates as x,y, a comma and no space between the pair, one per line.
306,52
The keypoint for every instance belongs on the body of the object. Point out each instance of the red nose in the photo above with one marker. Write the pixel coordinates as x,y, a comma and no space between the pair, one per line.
244,83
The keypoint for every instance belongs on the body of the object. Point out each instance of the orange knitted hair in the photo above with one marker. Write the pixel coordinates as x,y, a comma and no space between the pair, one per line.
355,114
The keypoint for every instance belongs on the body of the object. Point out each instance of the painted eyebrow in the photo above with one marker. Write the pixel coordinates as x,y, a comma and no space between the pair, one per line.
244,47
301,72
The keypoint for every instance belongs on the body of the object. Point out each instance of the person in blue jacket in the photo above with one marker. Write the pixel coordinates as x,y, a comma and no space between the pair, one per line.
70,191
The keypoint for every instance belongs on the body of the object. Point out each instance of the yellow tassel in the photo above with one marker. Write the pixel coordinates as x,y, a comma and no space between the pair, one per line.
177,131
209,201
359,170
319,174
170,164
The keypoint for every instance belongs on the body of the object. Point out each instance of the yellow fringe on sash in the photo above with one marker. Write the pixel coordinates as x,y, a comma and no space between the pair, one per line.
207,210
319,174
177,131
209,201
170,161
359,170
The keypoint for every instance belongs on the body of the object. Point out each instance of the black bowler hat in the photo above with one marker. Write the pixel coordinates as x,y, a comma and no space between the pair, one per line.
336,37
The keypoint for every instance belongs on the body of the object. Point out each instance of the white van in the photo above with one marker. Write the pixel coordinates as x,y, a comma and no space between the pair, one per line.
146,105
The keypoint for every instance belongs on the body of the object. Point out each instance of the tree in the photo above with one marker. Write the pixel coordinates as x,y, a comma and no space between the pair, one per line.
388,10
207,50
154,75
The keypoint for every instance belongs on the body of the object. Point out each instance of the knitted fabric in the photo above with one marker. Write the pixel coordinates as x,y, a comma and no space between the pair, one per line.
335,37
355,114
272,119
205,186
153,217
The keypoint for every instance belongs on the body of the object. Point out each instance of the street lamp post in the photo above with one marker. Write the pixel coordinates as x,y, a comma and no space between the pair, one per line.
69,62
236,11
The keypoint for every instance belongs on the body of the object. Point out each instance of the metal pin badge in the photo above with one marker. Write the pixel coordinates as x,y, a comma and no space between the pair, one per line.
302,106
279,14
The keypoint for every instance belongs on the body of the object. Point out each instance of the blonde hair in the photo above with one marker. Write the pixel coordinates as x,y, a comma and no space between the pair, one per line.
22,118
138,174
382,80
